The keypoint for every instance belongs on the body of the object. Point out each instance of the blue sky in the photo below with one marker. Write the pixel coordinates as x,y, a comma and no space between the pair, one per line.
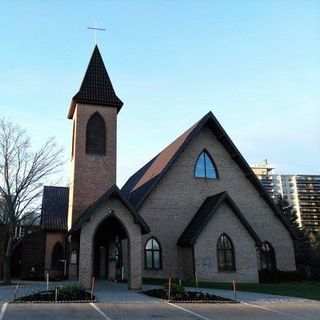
254,64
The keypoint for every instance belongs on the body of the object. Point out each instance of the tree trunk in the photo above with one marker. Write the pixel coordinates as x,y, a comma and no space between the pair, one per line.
6,262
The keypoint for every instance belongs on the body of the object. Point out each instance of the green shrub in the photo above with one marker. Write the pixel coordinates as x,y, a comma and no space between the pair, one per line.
279,276
70,292
176,288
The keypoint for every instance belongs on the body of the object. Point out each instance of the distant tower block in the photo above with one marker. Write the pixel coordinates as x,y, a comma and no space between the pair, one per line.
94,112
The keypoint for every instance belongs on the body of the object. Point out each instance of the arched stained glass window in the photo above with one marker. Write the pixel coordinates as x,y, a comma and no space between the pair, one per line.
225,252
205,167
152,254
96,135
267,257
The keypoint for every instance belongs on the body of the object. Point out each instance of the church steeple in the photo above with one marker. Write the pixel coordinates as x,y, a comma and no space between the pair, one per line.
96,87
93,111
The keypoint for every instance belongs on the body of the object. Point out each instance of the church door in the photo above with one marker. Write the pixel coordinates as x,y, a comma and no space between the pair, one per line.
107,250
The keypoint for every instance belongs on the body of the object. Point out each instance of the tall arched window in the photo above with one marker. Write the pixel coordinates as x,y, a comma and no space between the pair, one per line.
267,257
205,167
96,135
225,252
152,254
57,255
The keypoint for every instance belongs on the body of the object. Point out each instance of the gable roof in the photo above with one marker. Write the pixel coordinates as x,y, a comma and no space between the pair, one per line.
143,182
139,186
204,214
54,210
112,192
96,87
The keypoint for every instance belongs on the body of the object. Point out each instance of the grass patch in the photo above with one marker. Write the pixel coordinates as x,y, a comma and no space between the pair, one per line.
303,289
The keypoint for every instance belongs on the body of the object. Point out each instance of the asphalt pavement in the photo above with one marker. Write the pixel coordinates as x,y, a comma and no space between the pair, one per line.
307,310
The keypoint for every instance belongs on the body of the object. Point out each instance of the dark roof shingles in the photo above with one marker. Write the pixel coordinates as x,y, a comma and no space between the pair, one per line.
96,87
54,211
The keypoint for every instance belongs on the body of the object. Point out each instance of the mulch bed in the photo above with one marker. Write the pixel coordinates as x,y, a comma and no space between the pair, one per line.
49,296
188,297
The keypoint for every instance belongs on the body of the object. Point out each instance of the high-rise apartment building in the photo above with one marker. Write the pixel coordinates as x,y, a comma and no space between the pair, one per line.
301,191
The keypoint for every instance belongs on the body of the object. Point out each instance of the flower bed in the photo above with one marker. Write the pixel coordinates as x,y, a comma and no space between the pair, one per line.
71,293
187,296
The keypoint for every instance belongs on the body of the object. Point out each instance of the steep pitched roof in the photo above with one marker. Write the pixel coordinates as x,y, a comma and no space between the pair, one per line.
112,192
138,187
54,211
96,87
143,182
204,214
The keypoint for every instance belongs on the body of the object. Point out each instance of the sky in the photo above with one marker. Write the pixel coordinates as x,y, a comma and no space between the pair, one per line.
254,64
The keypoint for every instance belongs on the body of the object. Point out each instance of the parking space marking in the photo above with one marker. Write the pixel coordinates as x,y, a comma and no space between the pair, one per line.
186,310
98,310
3,310
276,311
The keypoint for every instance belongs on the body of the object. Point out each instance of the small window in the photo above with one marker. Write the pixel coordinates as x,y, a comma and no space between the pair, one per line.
225,251
96,133
267,257
152,254
204,167
73,257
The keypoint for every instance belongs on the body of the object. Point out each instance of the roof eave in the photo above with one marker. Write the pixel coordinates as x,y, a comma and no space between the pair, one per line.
114,190
92,102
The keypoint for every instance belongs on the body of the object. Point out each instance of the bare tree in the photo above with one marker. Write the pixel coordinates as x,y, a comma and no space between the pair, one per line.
22,174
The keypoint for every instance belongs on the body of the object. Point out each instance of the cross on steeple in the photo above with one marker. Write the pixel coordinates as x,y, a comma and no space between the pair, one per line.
95,28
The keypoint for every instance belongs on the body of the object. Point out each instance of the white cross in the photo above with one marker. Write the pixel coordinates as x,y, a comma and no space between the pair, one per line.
95,28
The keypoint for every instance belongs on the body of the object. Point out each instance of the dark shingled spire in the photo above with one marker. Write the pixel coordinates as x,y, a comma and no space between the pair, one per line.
96,87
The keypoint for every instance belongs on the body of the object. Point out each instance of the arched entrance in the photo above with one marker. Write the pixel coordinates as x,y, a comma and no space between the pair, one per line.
57,258
110,238
110,248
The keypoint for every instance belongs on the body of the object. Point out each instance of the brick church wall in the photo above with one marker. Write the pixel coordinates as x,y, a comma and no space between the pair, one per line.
133,231
178,196
206,266
91,175
51,239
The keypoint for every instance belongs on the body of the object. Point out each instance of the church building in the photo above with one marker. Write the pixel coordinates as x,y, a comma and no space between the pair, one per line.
195,209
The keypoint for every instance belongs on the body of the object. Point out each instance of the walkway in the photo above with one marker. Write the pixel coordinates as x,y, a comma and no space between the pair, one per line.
110,292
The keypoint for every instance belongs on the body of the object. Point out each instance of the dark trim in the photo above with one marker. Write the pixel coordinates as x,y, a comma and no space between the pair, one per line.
113,191
189,235
145,254
205,151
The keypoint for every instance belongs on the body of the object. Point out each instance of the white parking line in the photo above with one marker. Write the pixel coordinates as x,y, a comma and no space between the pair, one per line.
186,310
276,311
3,310
98,310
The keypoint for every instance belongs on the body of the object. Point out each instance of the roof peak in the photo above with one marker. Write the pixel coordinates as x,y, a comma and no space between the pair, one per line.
96,87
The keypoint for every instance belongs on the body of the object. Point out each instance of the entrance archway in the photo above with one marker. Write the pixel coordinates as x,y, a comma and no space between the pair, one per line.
110,249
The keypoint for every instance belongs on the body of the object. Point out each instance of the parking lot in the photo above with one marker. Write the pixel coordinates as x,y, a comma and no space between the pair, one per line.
115,301
307,310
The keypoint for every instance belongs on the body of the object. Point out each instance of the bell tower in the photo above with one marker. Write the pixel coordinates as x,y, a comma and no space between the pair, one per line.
93,112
